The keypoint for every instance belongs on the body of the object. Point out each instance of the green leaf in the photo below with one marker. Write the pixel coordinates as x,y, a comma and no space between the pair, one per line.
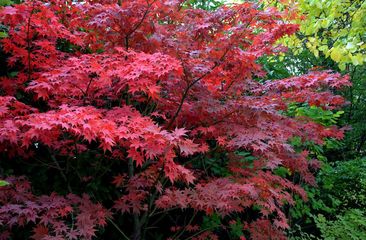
357,59
3,35
4,183
336,54
282,172
5,2
342,66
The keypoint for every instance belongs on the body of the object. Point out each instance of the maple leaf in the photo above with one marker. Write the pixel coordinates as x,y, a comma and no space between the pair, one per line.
136,156
118,180
65,211
40,232
188,147
179,132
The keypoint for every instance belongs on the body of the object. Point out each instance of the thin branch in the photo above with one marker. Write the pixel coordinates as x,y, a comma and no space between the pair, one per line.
136,220
118,229
202,231
87,89
143,17
128,35
29,43
185,227
154,213
61,172
217,63
190,85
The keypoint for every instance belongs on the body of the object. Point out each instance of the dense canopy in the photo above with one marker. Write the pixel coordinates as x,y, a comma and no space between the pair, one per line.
159,119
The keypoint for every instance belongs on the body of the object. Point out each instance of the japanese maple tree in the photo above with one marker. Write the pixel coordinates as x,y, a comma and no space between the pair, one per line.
119,104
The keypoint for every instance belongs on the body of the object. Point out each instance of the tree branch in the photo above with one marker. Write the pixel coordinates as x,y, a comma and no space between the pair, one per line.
190,85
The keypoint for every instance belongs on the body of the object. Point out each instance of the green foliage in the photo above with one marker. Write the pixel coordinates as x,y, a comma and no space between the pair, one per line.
324,117
282,172
341,185
332,28
3,35
3,183
213,165
346,181
341,189
355,113
209,4
297,233
350,225
236,229
216,167
331,36
246,157
321,116
289,64
317,202
6,2
204,4
211,222
317,114
3,32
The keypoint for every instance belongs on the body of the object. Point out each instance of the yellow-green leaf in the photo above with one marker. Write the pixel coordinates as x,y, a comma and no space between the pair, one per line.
336,54
3,35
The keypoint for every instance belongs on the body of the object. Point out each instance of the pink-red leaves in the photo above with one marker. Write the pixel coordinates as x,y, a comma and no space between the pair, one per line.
19,206
93,77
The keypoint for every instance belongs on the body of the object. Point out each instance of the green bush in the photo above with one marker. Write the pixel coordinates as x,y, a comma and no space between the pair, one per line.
350,225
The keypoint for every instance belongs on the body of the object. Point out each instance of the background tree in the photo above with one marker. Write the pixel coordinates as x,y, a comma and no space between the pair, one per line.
331,36
334,32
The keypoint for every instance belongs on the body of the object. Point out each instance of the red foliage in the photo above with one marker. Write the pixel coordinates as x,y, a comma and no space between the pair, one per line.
262,229
156,85
19,207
